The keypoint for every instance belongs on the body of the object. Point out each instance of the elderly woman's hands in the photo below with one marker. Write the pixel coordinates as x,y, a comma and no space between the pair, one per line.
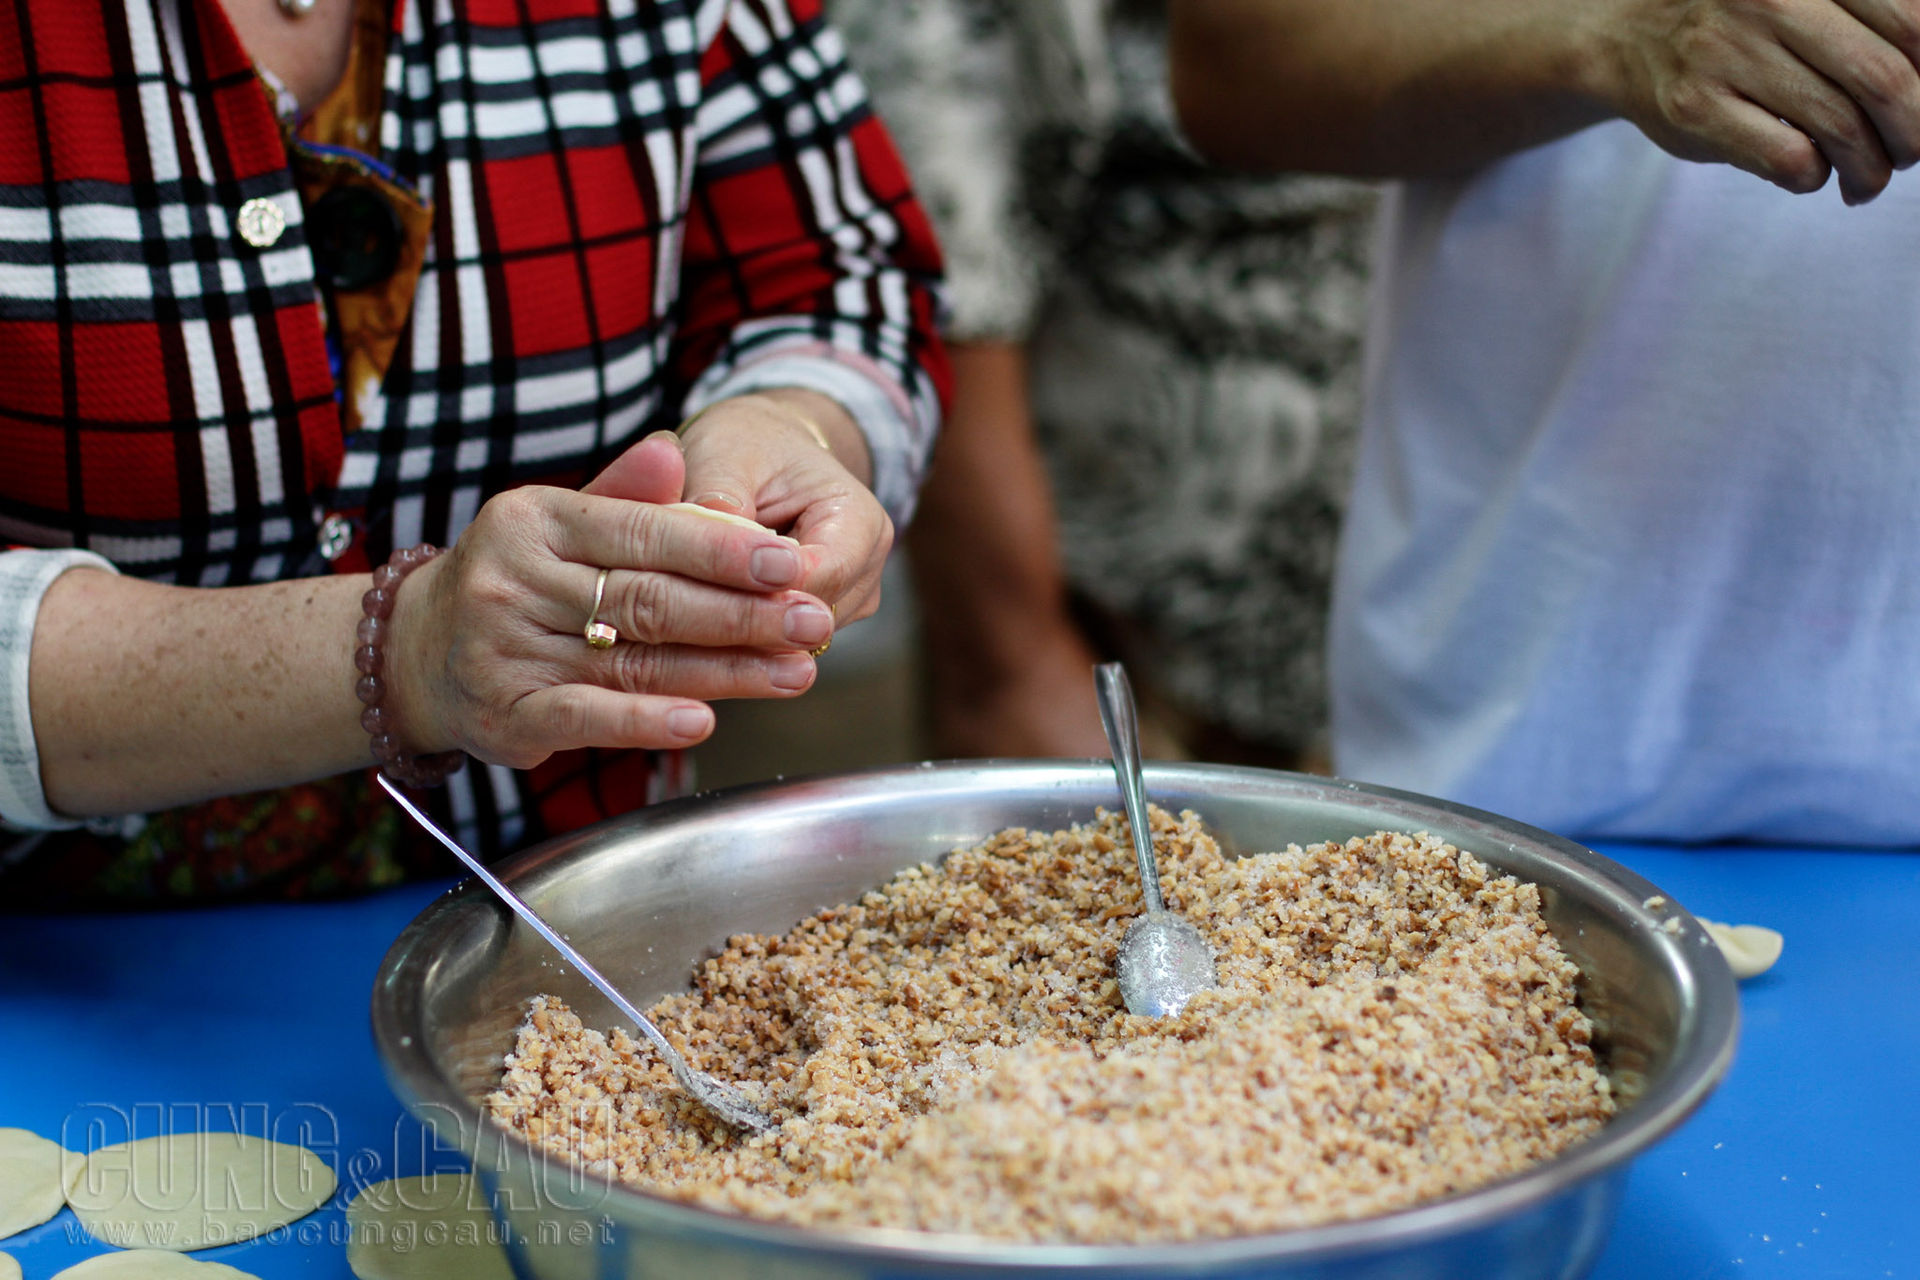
146,695
487,640
488,643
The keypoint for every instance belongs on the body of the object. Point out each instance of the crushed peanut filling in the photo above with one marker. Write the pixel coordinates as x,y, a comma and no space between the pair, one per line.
1394,1022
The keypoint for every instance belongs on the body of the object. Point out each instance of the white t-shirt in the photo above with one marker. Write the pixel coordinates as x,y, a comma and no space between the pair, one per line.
1634,547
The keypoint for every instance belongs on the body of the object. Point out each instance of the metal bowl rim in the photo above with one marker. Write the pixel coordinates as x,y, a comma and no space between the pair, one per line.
1692,1075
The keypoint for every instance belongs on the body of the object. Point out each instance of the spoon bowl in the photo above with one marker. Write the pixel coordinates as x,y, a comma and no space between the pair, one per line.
1164,962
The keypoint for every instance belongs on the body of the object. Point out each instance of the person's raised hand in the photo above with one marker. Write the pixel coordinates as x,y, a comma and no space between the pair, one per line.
1789,90
776,458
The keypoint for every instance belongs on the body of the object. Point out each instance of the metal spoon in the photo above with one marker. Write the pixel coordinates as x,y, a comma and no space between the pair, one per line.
1164,962
716,1096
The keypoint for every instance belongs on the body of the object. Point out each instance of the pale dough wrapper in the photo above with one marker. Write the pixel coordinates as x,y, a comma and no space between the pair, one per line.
729,516
431,1228
186,1191
1749,948
9,1269
150,1264
32,1187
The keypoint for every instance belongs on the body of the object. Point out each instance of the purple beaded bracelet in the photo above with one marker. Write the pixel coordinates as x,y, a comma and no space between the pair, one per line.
369,656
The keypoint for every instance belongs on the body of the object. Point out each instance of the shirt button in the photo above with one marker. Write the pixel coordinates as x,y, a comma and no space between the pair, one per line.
261,223
336,535
355,237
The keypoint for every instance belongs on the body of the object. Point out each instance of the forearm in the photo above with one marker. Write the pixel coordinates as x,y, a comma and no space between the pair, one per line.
985,554
146,696
1383,87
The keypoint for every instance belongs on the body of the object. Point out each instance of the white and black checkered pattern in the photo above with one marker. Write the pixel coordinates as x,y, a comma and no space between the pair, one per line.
630,199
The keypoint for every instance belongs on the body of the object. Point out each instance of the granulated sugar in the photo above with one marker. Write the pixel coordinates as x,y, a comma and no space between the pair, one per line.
950,1053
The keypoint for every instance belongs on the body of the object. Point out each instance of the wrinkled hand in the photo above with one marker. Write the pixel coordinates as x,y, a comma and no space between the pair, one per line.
753,457
1789,90
486,643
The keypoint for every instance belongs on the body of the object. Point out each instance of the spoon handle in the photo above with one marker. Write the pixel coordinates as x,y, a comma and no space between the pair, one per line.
534,922
1122,723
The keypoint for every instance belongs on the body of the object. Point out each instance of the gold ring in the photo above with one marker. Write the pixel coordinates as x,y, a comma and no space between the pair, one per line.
827,644
599,634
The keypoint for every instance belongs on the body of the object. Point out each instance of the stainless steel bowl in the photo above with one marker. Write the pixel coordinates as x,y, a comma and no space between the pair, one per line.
648,895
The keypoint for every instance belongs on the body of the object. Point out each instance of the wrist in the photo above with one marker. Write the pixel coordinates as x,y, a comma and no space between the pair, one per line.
393,635
1590,60
795,414
805,414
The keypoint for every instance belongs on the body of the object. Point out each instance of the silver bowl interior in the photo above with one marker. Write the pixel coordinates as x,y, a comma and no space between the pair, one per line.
649,895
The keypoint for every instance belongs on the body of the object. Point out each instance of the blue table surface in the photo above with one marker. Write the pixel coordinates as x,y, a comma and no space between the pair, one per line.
1805,1162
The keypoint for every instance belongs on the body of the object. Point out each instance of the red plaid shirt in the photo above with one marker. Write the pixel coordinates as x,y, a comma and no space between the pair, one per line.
627,197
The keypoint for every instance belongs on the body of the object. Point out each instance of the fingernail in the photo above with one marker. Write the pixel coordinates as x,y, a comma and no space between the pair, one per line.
808,624
774,566
690,722
790,671
671,435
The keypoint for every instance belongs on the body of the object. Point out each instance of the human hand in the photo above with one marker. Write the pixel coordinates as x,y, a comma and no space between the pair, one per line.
1790,90
760,456
486,647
